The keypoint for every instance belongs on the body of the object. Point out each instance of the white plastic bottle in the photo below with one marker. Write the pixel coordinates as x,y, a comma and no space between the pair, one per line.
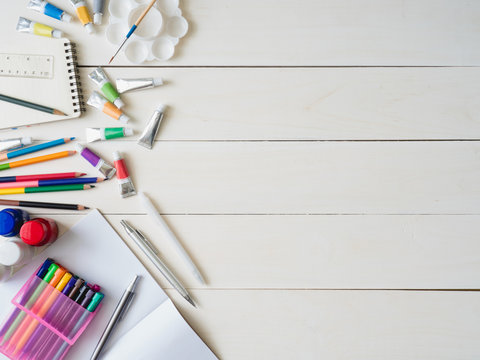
14,252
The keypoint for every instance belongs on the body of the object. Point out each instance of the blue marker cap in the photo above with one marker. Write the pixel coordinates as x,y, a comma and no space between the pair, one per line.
71,283
44,268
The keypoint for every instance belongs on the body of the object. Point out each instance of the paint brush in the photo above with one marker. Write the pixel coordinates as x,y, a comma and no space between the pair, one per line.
133,28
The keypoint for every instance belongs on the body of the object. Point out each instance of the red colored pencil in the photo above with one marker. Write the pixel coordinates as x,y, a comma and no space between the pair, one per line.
67,175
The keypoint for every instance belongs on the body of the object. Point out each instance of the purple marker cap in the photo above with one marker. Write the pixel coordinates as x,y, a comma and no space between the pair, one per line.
95,287
66,290
88,154
87,298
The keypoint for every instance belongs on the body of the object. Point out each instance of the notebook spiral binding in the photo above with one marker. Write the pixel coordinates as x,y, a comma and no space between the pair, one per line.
74,76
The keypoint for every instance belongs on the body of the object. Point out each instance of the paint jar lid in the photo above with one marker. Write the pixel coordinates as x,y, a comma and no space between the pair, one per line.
57,34
34,233
8,222
10,253
124,118
119,103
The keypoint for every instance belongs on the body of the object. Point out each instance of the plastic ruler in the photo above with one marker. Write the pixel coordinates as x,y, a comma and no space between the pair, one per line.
24,65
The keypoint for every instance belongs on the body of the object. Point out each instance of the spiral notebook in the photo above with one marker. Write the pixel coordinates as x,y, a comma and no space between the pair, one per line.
42,71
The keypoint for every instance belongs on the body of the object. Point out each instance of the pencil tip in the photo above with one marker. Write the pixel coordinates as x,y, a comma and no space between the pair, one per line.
71,152
86,207
72,138
189,299
99,179
58,112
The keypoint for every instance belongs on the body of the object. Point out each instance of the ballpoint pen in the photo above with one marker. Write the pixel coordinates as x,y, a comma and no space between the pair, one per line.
118,314
151,253
169,234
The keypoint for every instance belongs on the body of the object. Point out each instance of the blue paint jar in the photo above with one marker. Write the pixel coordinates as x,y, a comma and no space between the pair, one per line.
11,220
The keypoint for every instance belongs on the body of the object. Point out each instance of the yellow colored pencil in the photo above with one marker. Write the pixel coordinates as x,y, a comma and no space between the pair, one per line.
36,159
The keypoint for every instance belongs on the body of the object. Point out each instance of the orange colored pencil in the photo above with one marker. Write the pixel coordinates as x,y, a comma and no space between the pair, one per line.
35,160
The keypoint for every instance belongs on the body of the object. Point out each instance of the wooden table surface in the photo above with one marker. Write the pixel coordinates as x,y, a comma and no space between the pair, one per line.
319,160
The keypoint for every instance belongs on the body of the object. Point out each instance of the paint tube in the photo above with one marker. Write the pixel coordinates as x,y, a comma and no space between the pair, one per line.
11,144
97,162
32,27
124,181
98,101
100,79
124,85
98,6
44,7
83,14
97,134
148,135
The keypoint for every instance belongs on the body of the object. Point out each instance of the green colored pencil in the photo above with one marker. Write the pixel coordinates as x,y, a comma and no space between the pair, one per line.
31,105
29,190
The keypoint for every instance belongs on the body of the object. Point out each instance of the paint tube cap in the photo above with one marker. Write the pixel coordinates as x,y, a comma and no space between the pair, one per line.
119,103
57,34
79,147
97,19
124,118
117,156
128,131
157,81
89,28
10,253
66,17
161,107
27,140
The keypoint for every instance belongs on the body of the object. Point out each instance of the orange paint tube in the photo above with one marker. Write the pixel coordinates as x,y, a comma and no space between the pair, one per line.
98,101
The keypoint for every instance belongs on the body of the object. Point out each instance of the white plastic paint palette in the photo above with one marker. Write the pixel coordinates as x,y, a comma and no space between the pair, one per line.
156,36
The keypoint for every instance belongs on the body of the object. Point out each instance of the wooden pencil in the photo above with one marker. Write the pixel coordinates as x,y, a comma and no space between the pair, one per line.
66,175
31,105
37,159
42,205
53,188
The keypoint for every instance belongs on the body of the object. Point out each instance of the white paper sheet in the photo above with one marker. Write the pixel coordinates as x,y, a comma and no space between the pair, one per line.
94,251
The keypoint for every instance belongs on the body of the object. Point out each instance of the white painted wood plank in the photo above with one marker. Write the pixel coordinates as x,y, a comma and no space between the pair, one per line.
315,252
285,178
295,104
344,325
329,32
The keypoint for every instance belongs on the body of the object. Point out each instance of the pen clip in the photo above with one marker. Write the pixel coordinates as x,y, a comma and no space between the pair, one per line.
150,246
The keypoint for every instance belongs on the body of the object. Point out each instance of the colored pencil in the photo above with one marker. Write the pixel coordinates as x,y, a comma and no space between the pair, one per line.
35,160
31,105
29,190
66,175
42,205
34,148
38,183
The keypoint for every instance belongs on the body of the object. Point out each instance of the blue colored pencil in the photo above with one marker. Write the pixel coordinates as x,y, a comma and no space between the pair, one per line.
85,180
34,148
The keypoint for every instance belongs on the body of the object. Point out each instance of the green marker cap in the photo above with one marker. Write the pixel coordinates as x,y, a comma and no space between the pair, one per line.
51,272
97,297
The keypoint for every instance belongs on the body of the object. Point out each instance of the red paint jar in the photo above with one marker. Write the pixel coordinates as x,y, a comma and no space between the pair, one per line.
39,232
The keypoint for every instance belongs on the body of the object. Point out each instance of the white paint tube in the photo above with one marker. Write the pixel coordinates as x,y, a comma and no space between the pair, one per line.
11,144
124,85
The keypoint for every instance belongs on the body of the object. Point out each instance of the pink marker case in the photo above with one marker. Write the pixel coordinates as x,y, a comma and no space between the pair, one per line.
51,332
